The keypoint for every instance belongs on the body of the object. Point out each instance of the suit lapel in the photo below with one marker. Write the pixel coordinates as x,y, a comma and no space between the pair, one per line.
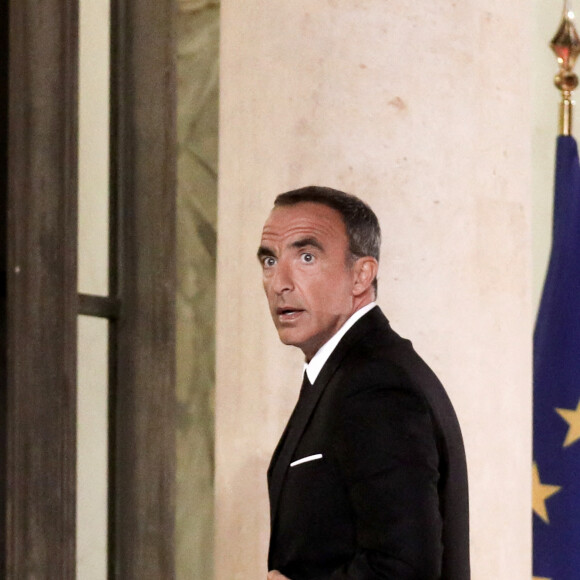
290,438
304,408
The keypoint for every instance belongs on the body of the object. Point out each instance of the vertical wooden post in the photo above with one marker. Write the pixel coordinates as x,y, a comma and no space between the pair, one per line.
40,375
143,162
3,257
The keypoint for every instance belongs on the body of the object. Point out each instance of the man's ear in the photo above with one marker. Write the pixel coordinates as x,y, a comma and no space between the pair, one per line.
366,269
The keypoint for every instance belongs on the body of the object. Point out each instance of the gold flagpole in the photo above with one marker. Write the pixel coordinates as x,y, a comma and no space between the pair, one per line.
566,45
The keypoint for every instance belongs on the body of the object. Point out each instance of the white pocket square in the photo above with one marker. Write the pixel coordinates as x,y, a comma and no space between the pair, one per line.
305,459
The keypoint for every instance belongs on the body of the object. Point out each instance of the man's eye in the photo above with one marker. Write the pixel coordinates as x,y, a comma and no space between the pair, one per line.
308,258
268,262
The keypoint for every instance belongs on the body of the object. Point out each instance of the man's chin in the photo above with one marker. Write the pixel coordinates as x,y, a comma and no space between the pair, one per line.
289,338
299,342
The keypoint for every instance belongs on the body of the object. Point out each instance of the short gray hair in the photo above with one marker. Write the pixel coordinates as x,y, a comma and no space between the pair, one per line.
362,225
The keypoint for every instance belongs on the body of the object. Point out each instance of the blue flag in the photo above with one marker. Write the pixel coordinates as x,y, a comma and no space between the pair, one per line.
556,469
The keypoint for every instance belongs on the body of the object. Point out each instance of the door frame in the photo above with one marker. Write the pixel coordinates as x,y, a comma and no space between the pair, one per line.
39,303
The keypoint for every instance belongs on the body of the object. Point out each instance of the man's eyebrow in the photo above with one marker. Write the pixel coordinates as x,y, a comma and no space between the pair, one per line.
263,252
307,242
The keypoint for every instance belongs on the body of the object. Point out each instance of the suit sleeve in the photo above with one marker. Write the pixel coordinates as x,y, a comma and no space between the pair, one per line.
386,449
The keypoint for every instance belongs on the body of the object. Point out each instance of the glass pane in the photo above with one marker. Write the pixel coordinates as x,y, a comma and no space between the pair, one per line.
94,42
197,124
92,448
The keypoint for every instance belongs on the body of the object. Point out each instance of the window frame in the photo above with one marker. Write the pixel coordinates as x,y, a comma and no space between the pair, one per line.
40,305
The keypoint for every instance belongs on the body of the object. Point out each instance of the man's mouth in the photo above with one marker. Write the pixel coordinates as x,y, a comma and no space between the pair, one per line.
288,313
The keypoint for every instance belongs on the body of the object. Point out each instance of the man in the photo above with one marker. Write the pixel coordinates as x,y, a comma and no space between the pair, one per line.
369,479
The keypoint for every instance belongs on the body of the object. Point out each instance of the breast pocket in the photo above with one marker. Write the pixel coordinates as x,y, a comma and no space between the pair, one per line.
307,459
315,506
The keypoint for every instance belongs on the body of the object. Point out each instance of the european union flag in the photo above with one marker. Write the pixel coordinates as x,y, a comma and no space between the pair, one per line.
556,474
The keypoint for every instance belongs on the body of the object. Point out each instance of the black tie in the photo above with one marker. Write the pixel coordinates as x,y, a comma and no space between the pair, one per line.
306,386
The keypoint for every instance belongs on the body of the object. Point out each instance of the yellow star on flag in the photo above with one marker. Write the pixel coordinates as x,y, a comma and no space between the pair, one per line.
572,417
540,493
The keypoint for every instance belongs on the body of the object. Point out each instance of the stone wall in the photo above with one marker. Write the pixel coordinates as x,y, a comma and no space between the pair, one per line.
414,107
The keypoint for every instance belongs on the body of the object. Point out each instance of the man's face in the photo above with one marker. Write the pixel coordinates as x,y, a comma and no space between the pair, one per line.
306,274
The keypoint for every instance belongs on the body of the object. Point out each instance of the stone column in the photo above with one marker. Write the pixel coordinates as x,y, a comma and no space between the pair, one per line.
417,108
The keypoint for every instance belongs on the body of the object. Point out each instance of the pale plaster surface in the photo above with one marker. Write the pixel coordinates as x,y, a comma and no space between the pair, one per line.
92,449
423,110
197,126
93,154
93,278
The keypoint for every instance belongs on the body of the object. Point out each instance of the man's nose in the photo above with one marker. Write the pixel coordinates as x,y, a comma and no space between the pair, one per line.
282,278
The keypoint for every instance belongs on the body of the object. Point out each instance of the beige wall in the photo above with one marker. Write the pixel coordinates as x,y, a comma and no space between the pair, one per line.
423,110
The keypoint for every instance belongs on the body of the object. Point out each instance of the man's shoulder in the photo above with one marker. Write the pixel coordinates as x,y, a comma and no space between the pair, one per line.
380,356
372,345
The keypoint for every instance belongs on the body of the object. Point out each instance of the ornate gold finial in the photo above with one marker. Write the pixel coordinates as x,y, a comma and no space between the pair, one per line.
566,46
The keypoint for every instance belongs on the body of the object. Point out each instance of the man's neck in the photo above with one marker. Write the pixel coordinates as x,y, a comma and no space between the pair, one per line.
314,366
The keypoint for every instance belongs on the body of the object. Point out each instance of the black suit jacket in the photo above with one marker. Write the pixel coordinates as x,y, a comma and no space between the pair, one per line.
388,498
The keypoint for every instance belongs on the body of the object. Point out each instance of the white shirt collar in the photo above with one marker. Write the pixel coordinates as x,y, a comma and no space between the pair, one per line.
315,365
